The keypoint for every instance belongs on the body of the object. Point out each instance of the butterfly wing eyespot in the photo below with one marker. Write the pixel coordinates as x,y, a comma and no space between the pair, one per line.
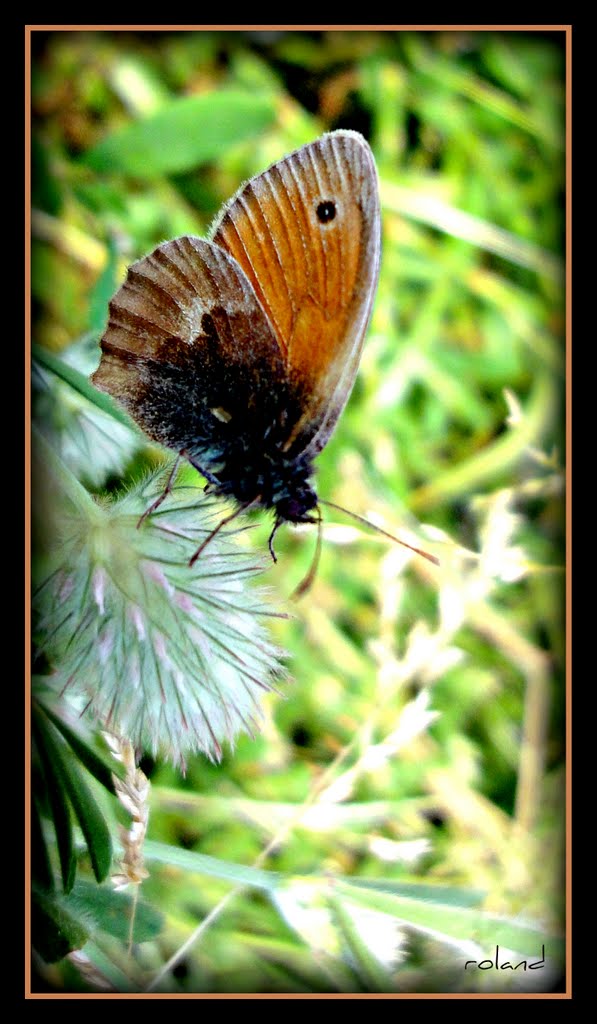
326,211
307,234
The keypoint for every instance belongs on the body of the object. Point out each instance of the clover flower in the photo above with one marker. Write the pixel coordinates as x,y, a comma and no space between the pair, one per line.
173,658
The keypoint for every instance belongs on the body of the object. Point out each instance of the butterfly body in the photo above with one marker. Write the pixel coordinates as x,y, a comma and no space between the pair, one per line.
240,352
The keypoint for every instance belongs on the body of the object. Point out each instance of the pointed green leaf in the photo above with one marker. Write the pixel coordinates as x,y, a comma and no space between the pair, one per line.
58,802
370,970
80,383
108,964
448,895
89,815
103,290
41,866
46,191
203,864
183,134
112,912
460,924
55,932
93,761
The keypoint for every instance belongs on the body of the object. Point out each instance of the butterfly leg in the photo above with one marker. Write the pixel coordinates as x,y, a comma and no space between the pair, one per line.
270,542
223,522
211,479
164,494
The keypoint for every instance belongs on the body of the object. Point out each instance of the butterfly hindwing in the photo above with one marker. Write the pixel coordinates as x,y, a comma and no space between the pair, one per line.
188,347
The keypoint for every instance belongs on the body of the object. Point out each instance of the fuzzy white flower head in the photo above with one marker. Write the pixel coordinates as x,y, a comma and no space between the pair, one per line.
173,657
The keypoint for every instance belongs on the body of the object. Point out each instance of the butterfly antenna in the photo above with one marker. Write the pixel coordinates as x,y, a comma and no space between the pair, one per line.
390,536
307,582
223,522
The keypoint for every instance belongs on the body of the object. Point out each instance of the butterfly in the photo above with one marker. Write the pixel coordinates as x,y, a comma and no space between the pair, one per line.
239,352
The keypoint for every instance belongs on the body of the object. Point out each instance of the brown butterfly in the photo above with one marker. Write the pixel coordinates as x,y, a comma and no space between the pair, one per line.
239,353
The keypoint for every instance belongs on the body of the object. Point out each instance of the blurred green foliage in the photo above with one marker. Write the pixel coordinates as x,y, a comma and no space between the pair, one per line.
456,421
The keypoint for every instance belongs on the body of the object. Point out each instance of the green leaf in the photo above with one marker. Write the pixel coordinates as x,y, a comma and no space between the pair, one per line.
55,931
94,764
103,290
80,383
41,866
61,923
460,924
112,912
107,965
203,864
102,198
58,802
370,970
89,815
447,895
46,193
183,134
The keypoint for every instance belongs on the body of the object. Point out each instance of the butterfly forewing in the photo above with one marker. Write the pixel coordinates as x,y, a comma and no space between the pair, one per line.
306,232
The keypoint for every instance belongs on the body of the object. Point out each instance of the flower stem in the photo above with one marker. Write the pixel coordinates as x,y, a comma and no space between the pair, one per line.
49,468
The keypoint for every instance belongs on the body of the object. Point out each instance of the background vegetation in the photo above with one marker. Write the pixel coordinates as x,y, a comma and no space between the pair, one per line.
408,782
